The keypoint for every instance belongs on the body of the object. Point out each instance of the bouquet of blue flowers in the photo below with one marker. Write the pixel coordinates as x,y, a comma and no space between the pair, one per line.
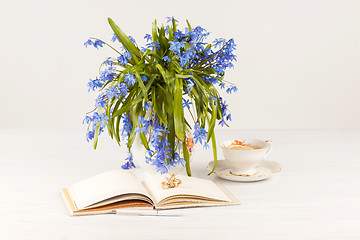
145,91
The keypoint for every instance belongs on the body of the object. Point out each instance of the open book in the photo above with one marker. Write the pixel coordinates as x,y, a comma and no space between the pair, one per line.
106,192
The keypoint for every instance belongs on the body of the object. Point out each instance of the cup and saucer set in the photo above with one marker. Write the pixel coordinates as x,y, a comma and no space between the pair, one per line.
245,161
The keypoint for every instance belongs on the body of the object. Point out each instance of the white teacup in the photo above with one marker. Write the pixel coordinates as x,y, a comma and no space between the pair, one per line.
243,162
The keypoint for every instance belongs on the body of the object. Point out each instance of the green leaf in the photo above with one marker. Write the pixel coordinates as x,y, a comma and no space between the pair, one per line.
163,73
142,86
157,105
125,41
96,136
154,32
144,141
212,120
171,35
108,128
178,110
168,99
131,138
186,158
128,104
173,25
171,135
117,131
177,65
189,26
213,141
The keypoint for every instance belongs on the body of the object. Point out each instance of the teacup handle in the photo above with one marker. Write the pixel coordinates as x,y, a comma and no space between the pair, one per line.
270,146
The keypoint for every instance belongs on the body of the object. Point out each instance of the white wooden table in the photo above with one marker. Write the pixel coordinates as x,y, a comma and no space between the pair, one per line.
316,196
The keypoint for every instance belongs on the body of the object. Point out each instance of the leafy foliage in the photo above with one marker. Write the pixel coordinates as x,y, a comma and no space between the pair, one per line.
145,91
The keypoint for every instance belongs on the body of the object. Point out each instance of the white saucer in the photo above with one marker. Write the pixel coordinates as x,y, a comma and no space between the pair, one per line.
265,170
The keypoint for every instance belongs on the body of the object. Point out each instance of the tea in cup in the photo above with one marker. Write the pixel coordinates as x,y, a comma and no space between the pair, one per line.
244,155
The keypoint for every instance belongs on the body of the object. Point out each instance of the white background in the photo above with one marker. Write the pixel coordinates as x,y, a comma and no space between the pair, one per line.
298,61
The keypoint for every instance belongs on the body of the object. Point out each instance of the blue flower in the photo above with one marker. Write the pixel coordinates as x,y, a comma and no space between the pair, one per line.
231,89
169,19
153,45
178,35
178,160
147,106
228,117
219,42
199,134
186,103
112,92
107,74
223,106
90,135
98,43
122,60
129,162
94,84
185,57
143,78
222,122
212,97
145,125
87,119
190,83
138,130
127,55
114,38
100,102
176,46
166,59
148,37
130,79
123,89
132,40
88,43
127,126
99,119
108,62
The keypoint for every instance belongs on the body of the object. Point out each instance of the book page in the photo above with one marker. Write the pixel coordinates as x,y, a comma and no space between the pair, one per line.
105,186
189,186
